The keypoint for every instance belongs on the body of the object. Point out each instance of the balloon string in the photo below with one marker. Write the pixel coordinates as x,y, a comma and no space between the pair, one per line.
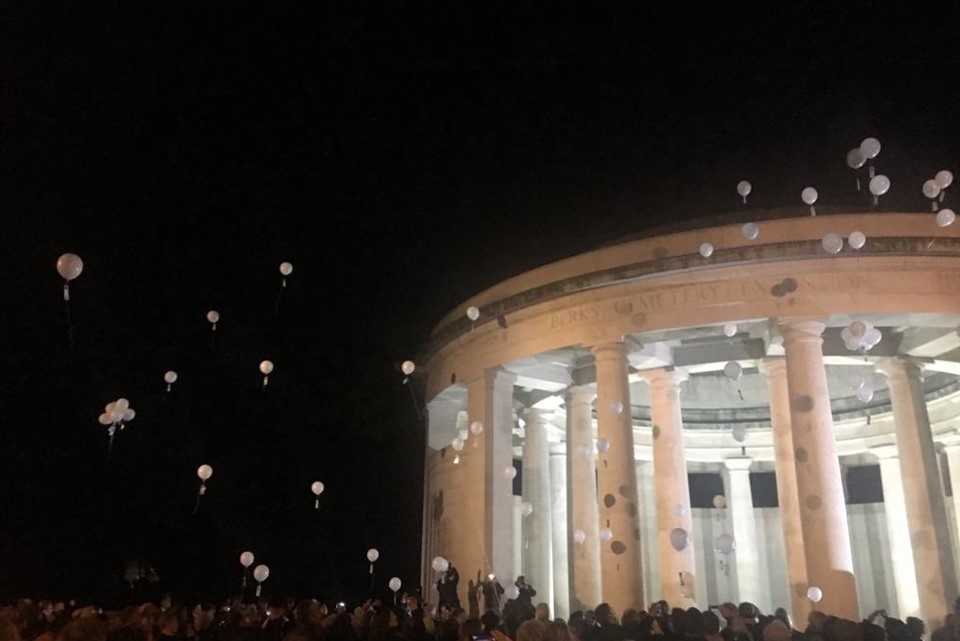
196,505
276,305
416,405
66,309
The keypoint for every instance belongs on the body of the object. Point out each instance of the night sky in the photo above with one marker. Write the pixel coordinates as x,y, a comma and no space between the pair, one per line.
402,156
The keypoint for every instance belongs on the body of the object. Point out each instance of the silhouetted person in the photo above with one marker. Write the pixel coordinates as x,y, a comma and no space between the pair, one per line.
447,588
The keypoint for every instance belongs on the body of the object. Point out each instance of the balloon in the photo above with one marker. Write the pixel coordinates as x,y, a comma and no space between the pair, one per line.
680,511
858,329
266,367
857,382
526,509
204,472
809,195
603,445
946,217
373,554
170,377
739,433
832,243
286,268
730,330
706,250
579,536
407,367
122,404
744,188
616,406
750,231
457,443
855,158
510,472
870,147
317,488
679,538
69,266
719,501
944,178
733,370
260,573
213,316
879,185
931,189
724,544
394,584
439,564
105,419
512,592
129,414
814,594
463,434
872,338
246,559
473,313
865,393
476,428
606,534
857,239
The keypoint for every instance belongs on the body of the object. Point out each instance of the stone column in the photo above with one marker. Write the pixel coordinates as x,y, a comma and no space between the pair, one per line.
775,370
670,481
617,480
895,507
740,510
926,514
558,527
582,513
951,448
823,512
537,553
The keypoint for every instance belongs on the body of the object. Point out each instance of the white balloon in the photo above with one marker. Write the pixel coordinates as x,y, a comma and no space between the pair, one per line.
408,367
266,367
857,239
510,472
170,377
858,329
121,404
526,508
730,330
204,472
317,487
69,266
865,393
213,316
286,268
476,428
439,564
872,338
511,592
855,158
879,185
579,536
394,584
617,407
473,313
744,188
129,414
606,534
679,538
706,250
814,594
246,559
724,544
260,573
931,189
750,231
946,217
739,433
719,501
603,445
457,443
105,419
464,434
944,178
809,195
870,147
373,554
733,370
832,243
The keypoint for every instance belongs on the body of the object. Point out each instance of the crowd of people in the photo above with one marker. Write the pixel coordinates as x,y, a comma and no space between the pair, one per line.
409,618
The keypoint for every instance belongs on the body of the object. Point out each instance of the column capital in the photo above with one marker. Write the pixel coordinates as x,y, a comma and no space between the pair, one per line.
611,349
664,378
738,463
773,367
900,366
885,452
804,330
536,415
580,394
950,442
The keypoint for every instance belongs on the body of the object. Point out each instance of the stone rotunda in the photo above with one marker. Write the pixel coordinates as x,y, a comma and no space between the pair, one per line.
583,431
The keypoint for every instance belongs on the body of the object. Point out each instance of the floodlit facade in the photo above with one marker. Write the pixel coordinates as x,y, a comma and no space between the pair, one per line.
650,467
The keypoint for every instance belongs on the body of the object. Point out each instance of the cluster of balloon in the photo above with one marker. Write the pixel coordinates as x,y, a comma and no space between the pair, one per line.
730,330
372,555
260,574
750,231
285,270
946,217
526,509
394,584
724,544
861,336
440,564
246,560
814,594
317,488
862,388
744,188
719,501
579,536
733,370
266,368
809,195
706,250
679,538
69,266
204,472
170,378
473,313
116,415
936,188
879,185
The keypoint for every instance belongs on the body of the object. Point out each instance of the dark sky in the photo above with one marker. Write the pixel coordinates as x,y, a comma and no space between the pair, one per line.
402,156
